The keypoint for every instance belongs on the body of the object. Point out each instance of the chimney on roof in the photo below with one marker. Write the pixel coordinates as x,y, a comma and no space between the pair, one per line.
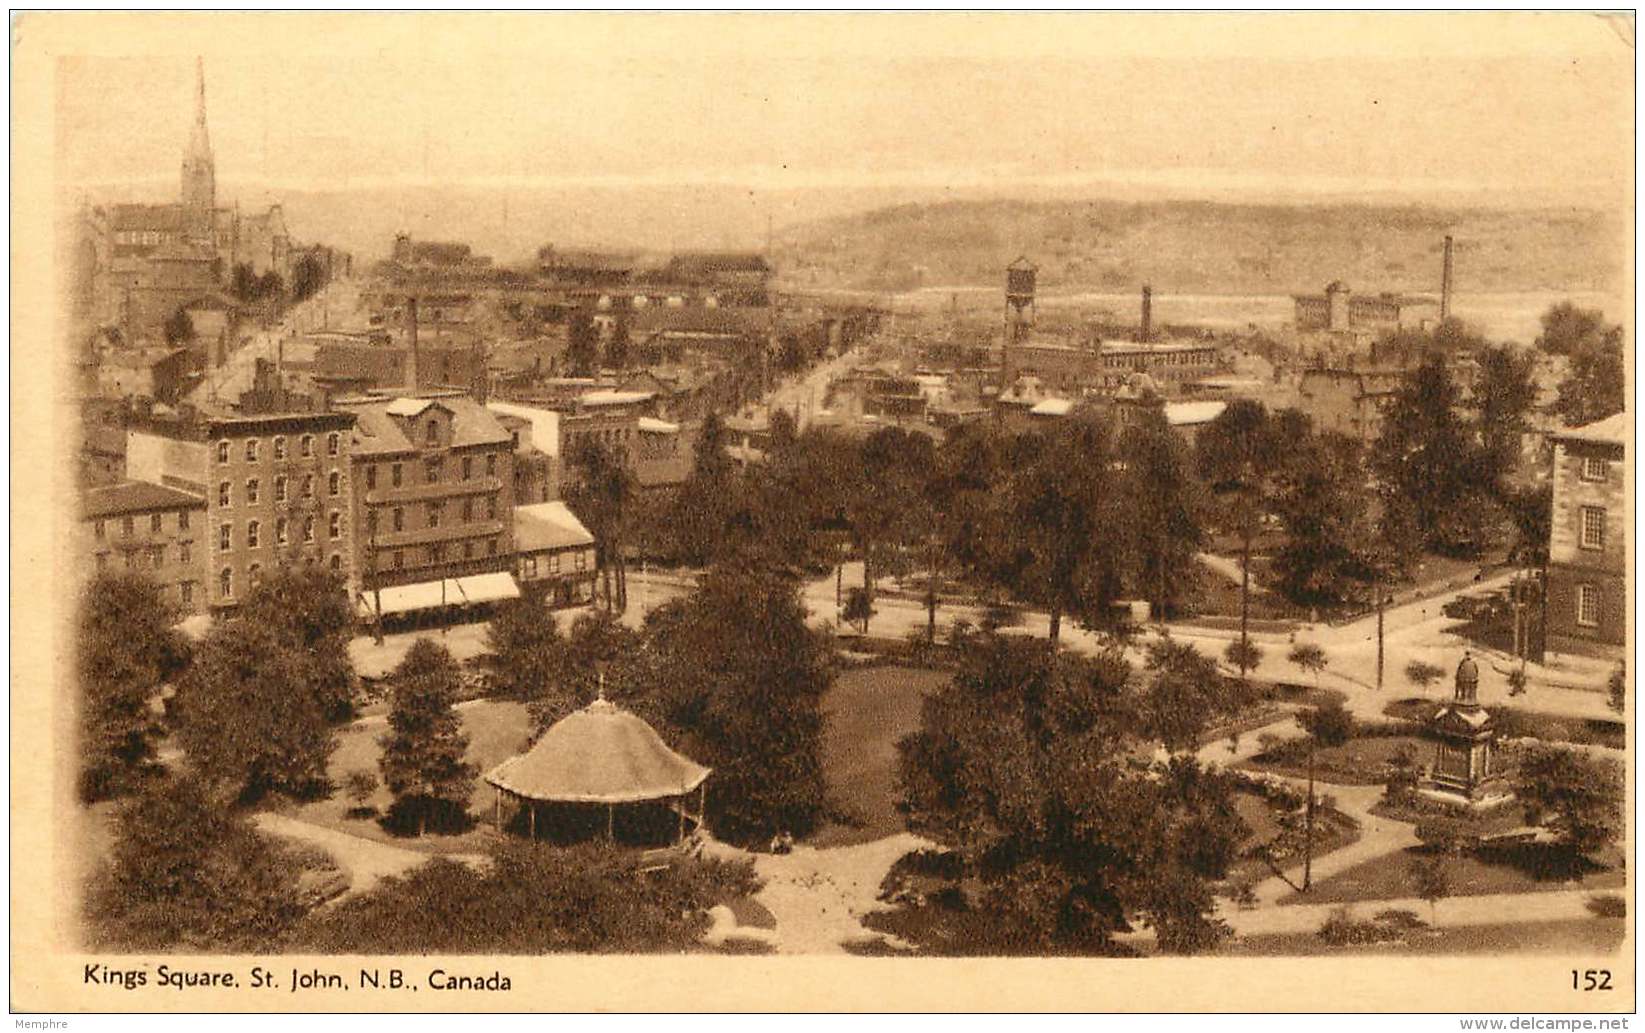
411,342
1445,283
1146,332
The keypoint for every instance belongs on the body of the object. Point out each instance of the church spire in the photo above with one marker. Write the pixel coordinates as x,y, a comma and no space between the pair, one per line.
199,170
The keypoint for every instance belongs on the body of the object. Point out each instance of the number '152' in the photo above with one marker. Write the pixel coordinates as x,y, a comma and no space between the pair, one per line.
1591,979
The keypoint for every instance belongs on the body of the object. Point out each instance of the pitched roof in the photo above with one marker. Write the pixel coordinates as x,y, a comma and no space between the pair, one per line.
548,525
378,432
599,754
1186,414
1612,430
545,424
134,497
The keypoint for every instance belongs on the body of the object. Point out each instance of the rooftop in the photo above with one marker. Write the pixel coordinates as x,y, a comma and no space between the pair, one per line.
1189,414
545,424
134,497
378,432
1612,430
548,525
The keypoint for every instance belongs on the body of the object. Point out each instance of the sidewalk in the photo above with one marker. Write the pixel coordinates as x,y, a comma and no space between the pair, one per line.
1490,909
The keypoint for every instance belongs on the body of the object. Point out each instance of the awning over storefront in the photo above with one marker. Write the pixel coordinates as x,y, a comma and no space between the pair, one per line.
432,595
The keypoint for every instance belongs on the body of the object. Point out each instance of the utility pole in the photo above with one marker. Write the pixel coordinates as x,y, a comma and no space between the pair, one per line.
1308,823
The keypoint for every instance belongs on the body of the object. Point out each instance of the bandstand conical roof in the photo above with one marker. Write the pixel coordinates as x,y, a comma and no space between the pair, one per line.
599,754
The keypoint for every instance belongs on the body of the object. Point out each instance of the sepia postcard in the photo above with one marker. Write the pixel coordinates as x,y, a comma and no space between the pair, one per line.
823,512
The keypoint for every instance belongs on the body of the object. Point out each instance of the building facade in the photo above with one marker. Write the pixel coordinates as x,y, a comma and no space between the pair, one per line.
149,529
1348,401
554,557
434,489
1587,560
276,488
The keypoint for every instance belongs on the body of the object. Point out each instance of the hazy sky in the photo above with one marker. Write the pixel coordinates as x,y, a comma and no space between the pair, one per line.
1429,106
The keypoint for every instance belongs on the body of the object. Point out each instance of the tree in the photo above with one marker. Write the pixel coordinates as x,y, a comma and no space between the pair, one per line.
1186,694
1070,551
188,873
1422,674
1166,503
1503,394
582,344
178,328
248,719
1244,655
1429,459
1019,771
1310,657
885,505
617,349
703,506
1568,329
603,493
736,673
1596,386
127,650
1320,497
310,607
360,785
1617,688
1433,880
859,608
1329,724
1577,796
422,759
524,651
307,277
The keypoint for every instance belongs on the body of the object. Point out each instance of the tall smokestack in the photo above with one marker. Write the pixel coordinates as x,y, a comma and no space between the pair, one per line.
1445,284
411,342
1146,332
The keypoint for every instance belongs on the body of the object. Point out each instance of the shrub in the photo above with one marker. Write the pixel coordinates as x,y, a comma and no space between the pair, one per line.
1329,723
1608,905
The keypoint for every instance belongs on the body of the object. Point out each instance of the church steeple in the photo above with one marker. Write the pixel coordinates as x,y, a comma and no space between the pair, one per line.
199,170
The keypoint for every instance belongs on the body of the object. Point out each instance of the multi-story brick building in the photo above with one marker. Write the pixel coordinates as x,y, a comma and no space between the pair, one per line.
1587,545
434,490
276,489
1348,401
147,528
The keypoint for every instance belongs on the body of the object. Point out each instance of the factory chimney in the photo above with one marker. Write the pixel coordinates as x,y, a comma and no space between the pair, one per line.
411,343
1445,284
1145,333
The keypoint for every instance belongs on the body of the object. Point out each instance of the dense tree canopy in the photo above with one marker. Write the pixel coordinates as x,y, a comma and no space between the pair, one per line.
422,759
1023,768
127,650
1596,385
1578,796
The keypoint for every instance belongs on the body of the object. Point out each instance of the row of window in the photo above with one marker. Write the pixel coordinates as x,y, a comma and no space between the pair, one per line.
434,512
282,489
154,556
305,447
551,563
128,525
282,532
435,553
433,471
254,574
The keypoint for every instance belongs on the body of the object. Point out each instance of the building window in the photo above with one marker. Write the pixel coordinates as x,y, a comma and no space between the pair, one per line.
98,530
491,507
332,445
155,523
434,514
222,451
371,477
157,556
1593,527
336,562
308,485
468,510
399,519
254,575
531,566
308,445
225,537
279,447
436,552
280,488
225,583
433,434
251,492
468,550
185,591
182,520
554,563
308,530
224,498
251,450
582,559
1587,606
253,532
491,546
399,559
1595,468
183,553
335,525
102,562
131,560
282,531
433,471
125,527
468,467
334,484
395,474
491,464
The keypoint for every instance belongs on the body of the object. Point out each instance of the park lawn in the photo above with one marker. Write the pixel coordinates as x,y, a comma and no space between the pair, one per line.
1390,878
1218,596
497,729
869,709
1360,761
1582,937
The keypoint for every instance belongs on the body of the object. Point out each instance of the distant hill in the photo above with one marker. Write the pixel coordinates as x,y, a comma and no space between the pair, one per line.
1203,247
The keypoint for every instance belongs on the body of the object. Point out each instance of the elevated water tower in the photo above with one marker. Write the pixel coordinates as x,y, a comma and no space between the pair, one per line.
1019,297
